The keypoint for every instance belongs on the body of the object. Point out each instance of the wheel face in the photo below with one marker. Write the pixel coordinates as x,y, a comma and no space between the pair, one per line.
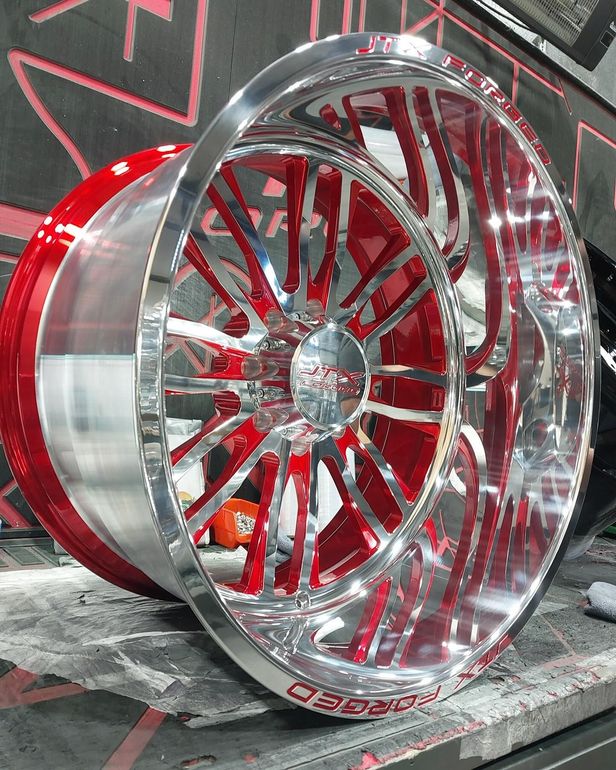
397,374
316,378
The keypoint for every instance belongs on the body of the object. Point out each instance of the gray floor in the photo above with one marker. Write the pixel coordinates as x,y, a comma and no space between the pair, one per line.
96,677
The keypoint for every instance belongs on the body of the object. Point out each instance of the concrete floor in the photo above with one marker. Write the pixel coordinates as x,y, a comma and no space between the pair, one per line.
93,677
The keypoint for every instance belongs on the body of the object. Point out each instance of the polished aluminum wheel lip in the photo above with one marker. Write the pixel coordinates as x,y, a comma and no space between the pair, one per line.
282,81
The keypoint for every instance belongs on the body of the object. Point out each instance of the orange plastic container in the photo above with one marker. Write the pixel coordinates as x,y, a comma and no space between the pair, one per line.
225,524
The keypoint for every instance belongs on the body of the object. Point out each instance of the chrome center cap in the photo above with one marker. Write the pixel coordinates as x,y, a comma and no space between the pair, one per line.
329,377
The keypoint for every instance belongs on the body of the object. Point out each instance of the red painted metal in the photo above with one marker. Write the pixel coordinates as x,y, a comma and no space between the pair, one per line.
19,323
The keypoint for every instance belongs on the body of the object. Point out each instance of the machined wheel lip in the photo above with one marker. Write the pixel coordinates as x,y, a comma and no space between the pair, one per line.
282,81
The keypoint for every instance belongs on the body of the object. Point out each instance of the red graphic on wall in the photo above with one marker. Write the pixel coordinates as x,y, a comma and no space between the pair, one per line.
17,222
160,8
20,61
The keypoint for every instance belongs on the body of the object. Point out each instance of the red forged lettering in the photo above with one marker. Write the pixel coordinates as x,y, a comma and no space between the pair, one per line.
430,698
453,61
380,708
543,154
406,703
327,701
528,132
513,113
387,41
491,90
355,706
302,692
384,43
475,78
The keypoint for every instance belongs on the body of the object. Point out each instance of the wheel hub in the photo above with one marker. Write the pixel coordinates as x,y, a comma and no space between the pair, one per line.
329,378
321,380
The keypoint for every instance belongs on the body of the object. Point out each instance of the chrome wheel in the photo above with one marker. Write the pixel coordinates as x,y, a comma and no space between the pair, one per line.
395,375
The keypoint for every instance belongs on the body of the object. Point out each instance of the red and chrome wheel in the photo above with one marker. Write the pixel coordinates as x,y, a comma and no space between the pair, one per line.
362,295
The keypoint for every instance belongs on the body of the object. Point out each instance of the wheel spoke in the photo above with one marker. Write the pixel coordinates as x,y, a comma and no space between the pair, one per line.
488,220
198,447
404,123
402,413
201,514
353,304
457,235
328,276
203,256
473,487
369,627
488,518
234,349
225,194
252,369
350,494
274,505
414,372
393,256
396,314
303,564
381,471
301,191
391,630
177,383
416,598
260,554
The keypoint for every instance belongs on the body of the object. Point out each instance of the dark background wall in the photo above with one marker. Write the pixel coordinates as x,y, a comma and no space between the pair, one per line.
83,82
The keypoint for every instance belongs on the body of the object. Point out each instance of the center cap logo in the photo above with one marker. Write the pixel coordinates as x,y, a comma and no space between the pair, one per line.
330,378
